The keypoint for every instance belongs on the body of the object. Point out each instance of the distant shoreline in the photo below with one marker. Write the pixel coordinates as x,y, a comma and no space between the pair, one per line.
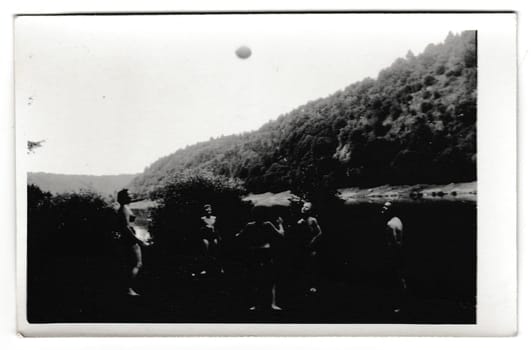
464,191
452,191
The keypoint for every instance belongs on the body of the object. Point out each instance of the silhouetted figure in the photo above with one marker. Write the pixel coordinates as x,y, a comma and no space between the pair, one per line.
393,234
261,239
128,240
211,240
310,232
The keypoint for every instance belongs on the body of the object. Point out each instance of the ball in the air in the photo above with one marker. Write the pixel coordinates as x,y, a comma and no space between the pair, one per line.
243,52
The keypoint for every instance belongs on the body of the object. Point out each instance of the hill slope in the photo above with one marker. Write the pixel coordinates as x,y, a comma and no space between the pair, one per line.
415,123
59,183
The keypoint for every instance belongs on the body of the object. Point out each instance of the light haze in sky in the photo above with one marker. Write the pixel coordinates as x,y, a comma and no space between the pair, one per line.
112,94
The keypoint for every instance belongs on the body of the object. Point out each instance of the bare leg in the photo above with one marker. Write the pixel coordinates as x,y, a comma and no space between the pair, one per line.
403,284
274,302
137,254
205,257
313,268
402,281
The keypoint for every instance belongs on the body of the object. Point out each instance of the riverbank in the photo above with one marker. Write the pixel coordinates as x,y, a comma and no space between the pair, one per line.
452,191
464,191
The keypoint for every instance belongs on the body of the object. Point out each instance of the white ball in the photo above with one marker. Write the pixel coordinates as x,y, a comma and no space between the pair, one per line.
243,52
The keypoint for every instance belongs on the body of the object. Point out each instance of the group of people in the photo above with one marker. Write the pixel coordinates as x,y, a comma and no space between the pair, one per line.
261,239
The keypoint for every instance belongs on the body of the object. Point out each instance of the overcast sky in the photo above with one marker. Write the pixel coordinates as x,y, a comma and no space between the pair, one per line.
112,94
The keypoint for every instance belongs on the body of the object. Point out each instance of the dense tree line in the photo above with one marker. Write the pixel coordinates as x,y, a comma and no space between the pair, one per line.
71,250
414,123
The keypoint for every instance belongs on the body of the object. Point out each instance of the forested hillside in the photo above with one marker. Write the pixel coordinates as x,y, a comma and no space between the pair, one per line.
62,183
414,123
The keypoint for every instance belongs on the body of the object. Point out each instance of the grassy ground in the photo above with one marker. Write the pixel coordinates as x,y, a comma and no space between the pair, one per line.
172,295
355,282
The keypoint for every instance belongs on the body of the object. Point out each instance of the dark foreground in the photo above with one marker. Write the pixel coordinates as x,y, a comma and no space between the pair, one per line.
226,299
355,284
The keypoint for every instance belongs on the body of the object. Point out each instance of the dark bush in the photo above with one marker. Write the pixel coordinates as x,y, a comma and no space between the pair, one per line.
176,221
71,251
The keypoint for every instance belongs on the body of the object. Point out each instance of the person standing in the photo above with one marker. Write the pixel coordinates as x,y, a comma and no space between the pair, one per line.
261,239
311,233
128,240
394,240
210,238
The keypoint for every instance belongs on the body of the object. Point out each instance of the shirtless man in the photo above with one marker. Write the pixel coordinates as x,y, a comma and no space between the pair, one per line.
394,243
129,241
394,226
261,239
209,234
312,232
210,238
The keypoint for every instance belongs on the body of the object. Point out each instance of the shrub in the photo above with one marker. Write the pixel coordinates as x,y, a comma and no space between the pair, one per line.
176,219
70,250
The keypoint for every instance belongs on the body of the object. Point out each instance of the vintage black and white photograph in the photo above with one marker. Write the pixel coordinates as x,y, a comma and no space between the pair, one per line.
249,168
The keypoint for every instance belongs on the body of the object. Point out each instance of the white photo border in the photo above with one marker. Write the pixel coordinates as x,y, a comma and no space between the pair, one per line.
497,204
